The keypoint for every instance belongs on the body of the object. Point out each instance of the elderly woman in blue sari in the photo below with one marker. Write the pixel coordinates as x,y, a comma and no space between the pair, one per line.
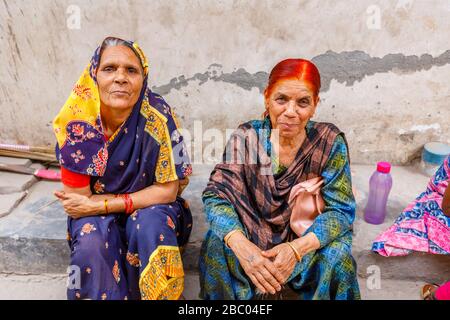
124,165
251,250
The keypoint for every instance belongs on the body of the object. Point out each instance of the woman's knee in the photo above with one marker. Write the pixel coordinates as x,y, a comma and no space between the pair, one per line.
156,224
89,242
338,255
158,215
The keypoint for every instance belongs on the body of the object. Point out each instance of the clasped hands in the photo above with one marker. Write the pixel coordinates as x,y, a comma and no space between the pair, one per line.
269,270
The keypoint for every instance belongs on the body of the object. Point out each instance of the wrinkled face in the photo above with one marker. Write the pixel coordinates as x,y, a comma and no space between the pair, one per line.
290,105
120,77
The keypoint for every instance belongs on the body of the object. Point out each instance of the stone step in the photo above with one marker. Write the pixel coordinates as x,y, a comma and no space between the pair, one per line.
53,287
15,183
33,236
414,267
13,187
390,289
11,183
9,201
16,161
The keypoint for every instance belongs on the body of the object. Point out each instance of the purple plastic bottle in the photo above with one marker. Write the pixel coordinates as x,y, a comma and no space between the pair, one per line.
380,185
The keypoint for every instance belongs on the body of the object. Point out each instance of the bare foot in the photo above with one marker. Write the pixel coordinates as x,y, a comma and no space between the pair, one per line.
428,290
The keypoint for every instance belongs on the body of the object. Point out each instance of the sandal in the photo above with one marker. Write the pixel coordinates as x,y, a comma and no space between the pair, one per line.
428,290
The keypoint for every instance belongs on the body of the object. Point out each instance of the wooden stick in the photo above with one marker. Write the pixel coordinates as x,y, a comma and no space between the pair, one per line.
18,147
29,155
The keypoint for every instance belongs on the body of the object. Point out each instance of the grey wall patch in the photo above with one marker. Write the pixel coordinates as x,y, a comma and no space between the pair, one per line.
344,67
240,77
349,67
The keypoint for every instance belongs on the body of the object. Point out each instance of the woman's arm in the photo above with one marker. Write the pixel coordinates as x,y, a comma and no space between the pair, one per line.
158,193
446,202
79,202
221,215
84,191
340,206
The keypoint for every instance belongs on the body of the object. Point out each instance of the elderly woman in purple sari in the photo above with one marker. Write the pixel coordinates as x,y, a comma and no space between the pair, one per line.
124,165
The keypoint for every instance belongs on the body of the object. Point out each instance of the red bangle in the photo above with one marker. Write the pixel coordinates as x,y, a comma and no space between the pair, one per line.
128,204
129,208
131,205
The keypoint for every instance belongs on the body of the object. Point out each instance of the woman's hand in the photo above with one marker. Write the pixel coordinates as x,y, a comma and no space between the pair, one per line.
283,258
261,271
77,205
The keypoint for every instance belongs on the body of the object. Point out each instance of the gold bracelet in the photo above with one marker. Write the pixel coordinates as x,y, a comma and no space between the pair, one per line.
228,236
297,255
106,206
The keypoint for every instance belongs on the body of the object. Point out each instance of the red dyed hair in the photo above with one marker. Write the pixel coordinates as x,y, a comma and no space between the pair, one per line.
299,69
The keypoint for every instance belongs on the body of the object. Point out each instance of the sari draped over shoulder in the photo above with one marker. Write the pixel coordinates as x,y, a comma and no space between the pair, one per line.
258,196
120,256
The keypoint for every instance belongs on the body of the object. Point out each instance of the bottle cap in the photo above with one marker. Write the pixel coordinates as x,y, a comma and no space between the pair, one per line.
384,167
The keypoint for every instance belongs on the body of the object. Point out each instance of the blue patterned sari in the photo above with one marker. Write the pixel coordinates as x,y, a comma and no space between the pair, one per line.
119,256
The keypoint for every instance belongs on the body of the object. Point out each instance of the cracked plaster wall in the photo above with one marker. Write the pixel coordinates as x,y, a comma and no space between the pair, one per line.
386,88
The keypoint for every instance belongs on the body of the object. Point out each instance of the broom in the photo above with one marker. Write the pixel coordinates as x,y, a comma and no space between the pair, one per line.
44,154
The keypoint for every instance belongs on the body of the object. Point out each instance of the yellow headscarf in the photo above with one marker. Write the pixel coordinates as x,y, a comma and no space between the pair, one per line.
83,106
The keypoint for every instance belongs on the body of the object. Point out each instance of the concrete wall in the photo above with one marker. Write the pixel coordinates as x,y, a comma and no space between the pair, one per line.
385,64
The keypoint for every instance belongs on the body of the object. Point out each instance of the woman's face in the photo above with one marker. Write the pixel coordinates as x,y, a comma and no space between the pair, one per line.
119,77
290,105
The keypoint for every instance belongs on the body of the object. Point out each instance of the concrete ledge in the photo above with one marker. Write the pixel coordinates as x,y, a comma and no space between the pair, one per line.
36,256
33,256
416,266
33,236
16,161
9,201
